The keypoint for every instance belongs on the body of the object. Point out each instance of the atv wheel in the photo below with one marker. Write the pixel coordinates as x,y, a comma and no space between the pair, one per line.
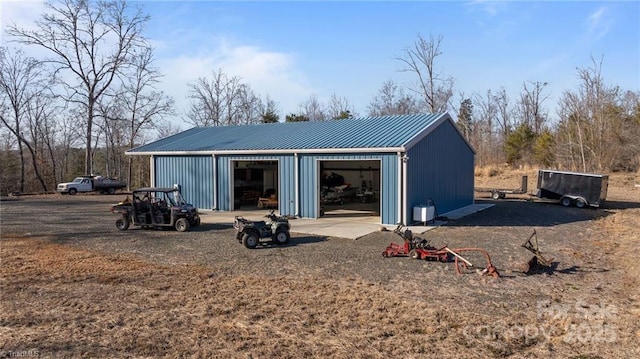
282,237
182,225
122,223
250,240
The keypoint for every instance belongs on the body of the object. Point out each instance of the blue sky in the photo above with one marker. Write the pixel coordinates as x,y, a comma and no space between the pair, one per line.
293,50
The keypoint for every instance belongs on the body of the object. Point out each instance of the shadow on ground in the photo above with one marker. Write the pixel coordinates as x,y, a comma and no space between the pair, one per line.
528,214
295,241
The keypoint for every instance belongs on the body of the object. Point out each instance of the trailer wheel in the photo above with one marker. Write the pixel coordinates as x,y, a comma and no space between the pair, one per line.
111,190
182,225
250,240
73,191
122,223
495,195
282,237
580,203
565,201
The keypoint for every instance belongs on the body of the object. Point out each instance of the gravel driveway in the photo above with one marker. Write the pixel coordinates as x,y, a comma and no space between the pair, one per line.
85,221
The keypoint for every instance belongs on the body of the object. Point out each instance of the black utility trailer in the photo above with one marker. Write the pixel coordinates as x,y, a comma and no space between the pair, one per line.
573,188
500,193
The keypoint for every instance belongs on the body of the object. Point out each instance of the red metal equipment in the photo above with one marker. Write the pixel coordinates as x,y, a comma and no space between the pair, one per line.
430,254
460,261
444,254
397,250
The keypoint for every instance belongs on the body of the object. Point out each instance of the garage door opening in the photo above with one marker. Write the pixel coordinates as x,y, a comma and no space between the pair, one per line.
255,185
349,188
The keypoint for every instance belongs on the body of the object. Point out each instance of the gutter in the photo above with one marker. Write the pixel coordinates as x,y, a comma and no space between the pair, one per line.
268,152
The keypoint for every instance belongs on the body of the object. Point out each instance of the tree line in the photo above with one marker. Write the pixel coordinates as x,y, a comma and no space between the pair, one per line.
93,94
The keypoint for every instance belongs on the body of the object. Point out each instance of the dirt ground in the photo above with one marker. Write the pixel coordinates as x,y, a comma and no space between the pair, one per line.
72,285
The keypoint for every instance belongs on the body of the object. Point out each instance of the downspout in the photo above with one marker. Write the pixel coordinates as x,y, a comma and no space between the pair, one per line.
404,188
152,172
296,186
215,182
400,190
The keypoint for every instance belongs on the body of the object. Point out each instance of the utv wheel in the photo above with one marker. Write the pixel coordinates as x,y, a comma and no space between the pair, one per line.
122,224
565,201
580,203
196,221
282,237
111,190
73,191
250,240
182,225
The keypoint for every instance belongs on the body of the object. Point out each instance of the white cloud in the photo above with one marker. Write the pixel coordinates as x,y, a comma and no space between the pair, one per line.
267,72
598,23
20,13
491,8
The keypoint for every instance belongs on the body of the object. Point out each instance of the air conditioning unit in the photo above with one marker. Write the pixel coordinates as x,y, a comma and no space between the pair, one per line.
424,213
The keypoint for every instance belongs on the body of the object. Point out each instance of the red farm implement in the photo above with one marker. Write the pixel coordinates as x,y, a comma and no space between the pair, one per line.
419,248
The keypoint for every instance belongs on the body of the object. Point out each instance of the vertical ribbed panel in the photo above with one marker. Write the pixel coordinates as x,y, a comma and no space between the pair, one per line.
309,186
193,173
389,187
440,168
286,180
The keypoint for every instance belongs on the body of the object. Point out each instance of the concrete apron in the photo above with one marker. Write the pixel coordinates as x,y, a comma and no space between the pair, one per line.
352,227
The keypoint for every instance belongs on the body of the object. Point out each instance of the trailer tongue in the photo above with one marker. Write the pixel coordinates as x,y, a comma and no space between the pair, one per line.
500,193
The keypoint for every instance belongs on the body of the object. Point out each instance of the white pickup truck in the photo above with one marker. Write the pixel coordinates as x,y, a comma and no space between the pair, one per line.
90,184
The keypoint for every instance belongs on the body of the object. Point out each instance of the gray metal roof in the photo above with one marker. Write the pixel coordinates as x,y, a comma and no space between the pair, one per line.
368,134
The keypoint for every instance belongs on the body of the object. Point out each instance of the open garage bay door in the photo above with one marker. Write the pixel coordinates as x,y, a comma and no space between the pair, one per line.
349,188
255,184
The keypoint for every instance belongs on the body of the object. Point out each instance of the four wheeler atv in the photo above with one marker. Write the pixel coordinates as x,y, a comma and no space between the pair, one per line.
275,227
156,207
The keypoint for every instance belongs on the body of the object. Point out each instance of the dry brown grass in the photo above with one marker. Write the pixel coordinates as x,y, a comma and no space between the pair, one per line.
72,302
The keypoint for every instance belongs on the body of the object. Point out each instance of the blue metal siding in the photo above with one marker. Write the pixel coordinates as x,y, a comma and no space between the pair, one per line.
389,187
286,180
440,168
193,173
309,186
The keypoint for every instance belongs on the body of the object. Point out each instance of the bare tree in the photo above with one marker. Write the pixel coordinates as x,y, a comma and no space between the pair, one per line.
590,122
420,59
483,139
166,128
249,106
391,100
340,108
21,91
140,103
531,109
89,43
504,113
218,101
313,109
